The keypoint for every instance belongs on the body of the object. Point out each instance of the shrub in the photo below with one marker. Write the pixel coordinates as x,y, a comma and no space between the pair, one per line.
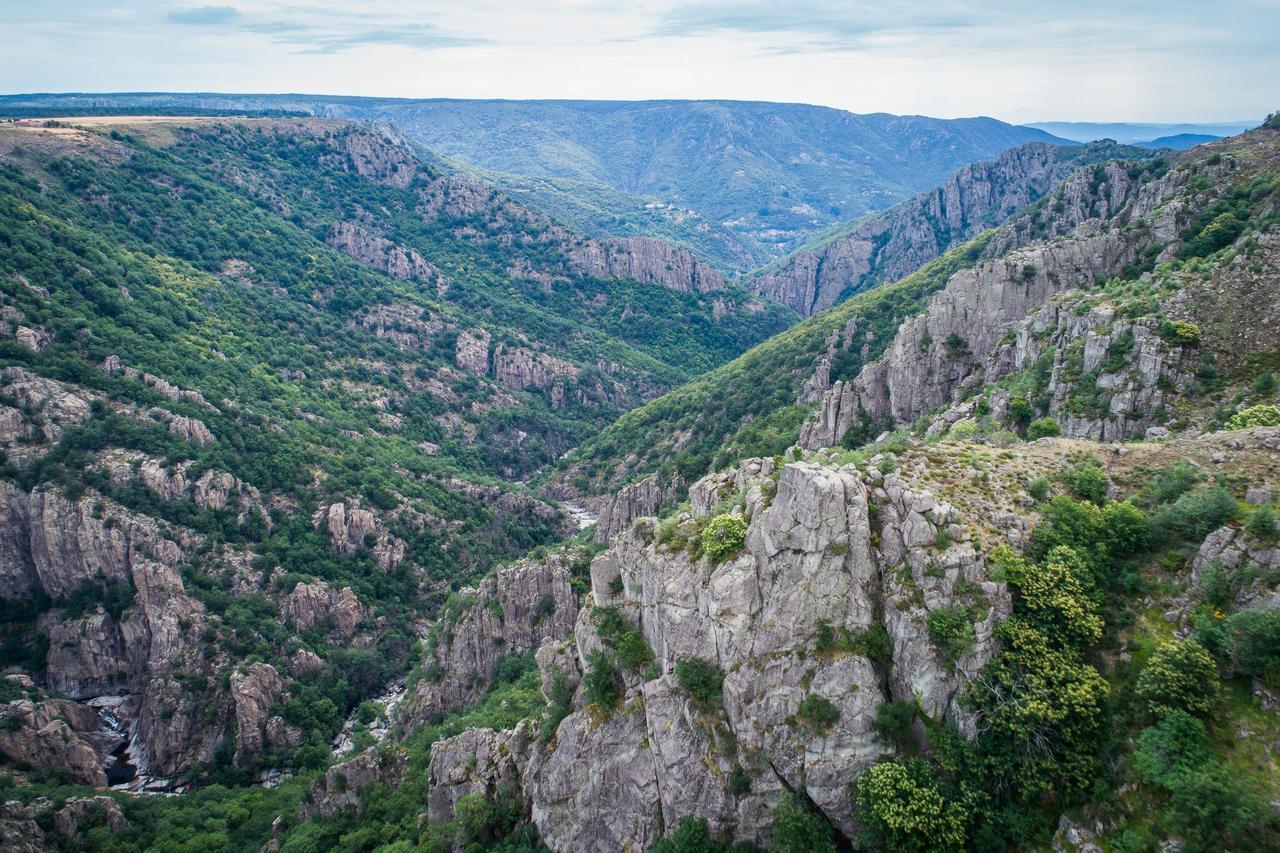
1248,642
1020,411
1213,808
1264,384
739,782
560,705
1126,530
951,631
600,683
798,827
1194,516
1038,489
818,713
893,723
1043,428
691,835
1053,599
700,678
1180,332
723,537
1176,744
1180,676
872,642
1262,523
1253,416
902,805
1088,482
1172,483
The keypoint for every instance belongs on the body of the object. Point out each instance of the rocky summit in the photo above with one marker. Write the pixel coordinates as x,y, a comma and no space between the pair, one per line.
353,499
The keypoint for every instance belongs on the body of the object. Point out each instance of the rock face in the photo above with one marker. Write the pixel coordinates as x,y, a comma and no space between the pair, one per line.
472,351
478,761
253,691
647,260
352,528
518,368
614,778
1229,550
409,327
54,733
511,612
909,235
317,604
372,249
641,498
1000,316
340,786
152,651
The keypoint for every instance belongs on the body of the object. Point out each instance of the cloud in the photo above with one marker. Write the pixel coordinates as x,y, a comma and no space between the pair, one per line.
822,22
416,36
204,15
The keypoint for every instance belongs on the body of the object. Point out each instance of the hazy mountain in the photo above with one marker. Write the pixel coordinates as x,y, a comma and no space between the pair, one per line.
741,181
1136,132
1179,141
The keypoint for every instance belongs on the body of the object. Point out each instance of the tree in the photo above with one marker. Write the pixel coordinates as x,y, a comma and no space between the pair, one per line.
723,537
798,827
1255,416
902,805
1054,600
1043,428
1042,712
1180,676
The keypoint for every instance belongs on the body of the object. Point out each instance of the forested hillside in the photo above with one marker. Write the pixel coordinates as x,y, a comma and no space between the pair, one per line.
268,389
740,182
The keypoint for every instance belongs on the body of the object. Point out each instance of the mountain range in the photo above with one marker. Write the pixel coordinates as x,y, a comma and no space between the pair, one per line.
353,497
740,182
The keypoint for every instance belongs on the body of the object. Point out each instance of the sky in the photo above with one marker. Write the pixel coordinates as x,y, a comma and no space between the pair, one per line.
1078,60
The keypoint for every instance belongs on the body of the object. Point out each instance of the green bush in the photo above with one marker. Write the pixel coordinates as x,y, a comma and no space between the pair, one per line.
1180,332
691,835
600,684
1176,744
700,678
723,537
893,723
1248,643
1180,676
1043,428
1038,488
1088,482
951,631
818,713
903,807
1171,483
1255,416
1194,516
798,827
1262,523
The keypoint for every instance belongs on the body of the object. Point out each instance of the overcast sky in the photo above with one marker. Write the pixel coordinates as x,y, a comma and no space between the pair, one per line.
1088,60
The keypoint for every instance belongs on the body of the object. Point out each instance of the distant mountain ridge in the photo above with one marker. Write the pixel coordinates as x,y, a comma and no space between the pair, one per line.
1137,132
740,182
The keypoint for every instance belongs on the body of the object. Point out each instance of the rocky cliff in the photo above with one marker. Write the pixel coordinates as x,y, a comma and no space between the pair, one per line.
890,245
1074,316
833,558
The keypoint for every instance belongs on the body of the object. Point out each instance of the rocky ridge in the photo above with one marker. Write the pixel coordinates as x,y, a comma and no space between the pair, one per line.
909,235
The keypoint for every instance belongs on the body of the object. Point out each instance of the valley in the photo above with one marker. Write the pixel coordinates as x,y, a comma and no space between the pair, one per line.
356,499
